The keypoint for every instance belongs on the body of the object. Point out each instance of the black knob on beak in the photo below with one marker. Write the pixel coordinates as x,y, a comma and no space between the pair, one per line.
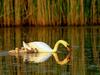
69,48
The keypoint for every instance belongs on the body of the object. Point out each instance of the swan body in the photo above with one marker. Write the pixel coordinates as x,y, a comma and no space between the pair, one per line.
40,46
43,47
34,47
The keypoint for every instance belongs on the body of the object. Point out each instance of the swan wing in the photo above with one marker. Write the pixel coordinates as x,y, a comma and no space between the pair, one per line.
41,46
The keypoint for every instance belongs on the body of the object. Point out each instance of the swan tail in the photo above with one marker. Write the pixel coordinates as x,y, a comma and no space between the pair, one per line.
25,45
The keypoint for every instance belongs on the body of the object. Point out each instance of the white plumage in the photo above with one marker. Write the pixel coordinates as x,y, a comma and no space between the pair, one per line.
43,47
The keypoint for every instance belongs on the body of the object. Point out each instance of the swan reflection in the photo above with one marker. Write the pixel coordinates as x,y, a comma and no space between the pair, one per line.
42,57
36,57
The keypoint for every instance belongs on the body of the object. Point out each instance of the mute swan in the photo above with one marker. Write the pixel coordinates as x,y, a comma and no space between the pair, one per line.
34,47
43,47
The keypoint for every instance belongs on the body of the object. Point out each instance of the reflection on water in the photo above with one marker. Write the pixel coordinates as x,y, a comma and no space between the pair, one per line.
85,42
41,57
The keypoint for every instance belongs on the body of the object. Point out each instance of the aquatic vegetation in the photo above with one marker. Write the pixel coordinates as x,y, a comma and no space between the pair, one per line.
49,12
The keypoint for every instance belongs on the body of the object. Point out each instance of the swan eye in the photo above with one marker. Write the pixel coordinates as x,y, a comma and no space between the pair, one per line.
68,46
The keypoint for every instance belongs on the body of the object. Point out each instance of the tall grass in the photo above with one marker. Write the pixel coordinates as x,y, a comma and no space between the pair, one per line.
17,12
49,12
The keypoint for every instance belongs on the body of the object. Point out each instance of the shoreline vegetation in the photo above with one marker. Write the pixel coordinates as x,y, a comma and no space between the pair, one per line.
49,12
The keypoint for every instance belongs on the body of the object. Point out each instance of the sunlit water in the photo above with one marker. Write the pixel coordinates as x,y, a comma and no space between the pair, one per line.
85,56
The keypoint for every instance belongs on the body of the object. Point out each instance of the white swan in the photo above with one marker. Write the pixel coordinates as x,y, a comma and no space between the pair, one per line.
43,47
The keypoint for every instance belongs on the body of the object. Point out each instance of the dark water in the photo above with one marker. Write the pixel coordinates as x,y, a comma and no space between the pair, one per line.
85,57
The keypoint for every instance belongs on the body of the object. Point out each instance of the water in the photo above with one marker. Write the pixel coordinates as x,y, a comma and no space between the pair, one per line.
85,56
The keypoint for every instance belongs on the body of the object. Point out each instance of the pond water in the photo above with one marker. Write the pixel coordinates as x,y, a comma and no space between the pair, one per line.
85,55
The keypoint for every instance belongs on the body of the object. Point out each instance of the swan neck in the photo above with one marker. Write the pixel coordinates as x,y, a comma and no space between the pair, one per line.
60,42
56,46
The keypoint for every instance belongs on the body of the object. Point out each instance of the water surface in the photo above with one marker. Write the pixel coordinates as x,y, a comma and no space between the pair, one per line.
85,58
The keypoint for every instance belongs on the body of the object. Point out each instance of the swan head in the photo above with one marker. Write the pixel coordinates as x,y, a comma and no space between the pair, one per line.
61,42
66,44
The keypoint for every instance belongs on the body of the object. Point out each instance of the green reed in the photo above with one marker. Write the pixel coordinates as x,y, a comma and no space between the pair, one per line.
49,12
